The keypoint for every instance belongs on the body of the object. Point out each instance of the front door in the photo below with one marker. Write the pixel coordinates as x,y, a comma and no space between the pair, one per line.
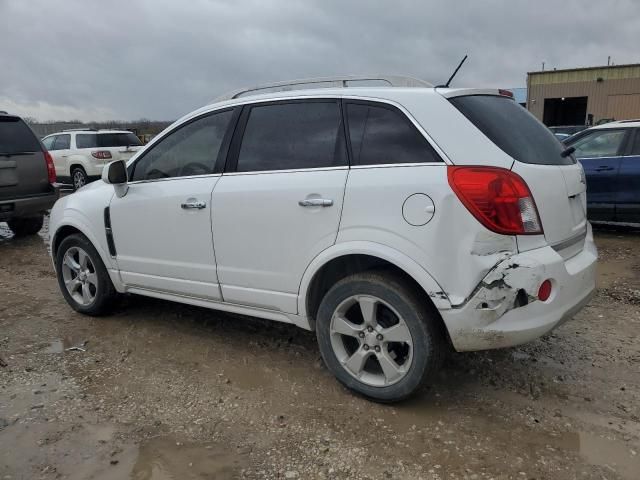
599,152
162,226
279,202
59,148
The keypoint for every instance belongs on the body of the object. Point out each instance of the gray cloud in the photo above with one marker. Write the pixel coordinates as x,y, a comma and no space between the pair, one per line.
160,59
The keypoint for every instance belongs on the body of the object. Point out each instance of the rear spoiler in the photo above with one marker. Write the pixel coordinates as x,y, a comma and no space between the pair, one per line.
462,92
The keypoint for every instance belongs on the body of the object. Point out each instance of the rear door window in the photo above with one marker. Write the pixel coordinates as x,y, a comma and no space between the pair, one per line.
86,140
293,135
384,135
600,143
16,136
512,128
62,142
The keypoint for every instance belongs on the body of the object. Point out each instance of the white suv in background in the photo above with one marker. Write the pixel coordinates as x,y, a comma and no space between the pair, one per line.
396,221
80,155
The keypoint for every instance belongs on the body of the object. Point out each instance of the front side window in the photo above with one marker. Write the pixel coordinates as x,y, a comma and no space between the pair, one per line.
62,142
190,150
292,136
635,150
381,135
48,142
603,143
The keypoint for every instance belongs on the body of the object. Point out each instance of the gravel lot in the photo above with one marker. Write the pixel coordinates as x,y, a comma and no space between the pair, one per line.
166,391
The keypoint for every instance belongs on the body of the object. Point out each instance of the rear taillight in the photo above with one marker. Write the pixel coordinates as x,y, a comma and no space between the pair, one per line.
498,198
101,154
51,169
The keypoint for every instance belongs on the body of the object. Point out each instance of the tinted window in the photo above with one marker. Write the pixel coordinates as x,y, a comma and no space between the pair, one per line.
107,140
381,135
190,150
86,140
62,142
48,142
512,129
16,136
291,136
635,150
602,143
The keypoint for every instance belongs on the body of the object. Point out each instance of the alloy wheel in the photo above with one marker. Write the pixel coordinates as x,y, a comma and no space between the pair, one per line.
79,275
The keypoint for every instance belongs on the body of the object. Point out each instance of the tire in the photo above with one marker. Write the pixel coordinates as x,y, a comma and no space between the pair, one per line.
393,299
79,178
26,226
91,275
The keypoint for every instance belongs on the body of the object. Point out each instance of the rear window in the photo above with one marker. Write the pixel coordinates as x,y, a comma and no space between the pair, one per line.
513,129
16,137
106,140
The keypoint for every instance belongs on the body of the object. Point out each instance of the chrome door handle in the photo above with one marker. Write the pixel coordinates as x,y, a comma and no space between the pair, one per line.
194,205
316,202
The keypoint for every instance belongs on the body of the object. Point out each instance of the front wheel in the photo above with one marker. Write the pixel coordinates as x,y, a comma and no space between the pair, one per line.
82,276
378,336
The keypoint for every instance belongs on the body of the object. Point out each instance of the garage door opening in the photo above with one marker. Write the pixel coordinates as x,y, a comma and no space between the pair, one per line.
565,111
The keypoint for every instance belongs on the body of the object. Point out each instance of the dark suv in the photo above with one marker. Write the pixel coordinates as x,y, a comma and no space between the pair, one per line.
27,177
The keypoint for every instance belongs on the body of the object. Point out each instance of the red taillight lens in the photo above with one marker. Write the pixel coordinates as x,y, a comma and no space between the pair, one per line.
51,169
498,198
505,93
544,292
102,154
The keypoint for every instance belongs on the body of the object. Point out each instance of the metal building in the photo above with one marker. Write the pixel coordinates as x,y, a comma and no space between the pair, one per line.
579,96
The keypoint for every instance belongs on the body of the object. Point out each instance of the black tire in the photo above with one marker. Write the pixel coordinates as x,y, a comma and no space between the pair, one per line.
419,315
79,177
26,226
105,294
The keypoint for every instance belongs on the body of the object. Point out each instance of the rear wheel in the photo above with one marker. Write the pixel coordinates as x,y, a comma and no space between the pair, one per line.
378,336
82,277
26,226
79,178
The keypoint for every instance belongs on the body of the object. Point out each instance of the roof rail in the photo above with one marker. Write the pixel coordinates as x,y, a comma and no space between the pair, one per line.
326,82
80,130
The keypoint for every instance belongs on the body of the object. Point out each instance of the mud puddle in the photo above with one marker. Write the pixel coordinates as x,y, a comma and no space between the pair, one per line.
67,344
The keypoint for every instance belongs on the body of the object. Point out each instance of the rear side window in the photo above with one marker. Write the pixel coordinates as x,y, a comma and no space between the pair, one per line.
86,140
190,150
62,142
292,136
513,129
16,136
106,140
381,135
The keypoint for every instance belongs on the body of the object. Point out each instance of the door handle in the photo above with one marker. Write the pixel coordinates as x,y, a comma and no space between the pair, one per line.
316,202
198,205
603,169
64,156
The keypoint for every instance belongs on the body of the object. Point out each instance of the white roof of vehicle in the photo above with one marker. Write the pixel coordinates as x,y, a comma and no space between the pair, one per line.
619,124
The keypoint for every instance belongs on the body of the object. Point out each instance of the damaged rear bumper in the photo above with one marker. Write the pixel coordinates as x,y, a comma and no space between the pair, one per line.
504,311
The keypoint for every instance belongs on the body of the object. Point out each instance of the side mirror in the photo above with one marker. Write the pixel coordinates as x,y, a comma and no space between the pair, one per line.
115,173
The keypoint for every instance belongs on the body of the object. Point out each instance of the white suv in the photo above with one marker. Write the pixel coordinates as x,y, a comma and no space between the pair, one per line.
395,221
80,155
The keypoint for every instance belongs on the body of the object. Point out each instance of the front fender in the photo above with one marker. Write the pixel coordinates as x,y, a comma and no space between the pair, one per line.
400,260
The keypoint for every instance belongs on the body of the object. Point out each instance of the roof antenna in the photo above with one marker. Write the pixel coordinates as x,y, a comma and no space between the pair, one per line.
446,85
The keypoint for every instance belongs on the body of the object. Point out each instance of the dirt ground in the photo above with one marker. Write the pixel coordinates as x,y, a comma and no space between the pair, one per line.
166,391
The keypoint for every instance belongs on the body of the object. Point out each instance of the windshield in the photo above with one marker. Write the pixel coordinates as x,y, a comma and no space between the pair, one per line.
513,129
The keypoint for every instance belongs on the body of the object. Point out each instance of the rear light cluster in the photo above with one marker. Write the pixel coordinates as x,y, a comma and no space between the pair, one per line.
51,169
499,199
101,154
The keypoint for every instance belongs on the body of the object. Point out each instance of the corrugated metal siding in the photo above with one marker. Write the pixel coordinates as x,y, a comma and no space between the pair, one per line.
586,75
598,94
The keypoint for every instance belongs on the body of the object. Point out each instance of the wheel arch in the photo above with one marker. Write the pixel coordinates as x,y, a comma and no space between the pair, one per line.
353,257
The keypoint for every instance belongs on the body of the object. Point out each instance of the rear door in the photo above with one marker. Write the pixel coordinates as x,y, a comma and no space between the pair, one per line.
278,203
628,184
23,170
555,181
599,151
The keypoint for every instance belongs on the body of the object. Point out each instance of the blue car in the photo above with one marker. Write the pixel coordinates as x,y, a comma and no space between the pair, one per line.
610,155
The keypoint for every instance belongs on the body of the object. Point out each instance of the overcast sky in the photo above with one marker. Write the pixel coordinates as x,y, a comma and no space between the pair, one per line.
159,59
